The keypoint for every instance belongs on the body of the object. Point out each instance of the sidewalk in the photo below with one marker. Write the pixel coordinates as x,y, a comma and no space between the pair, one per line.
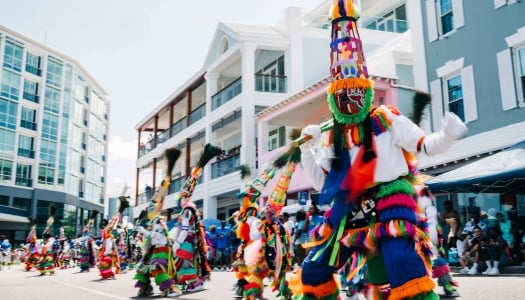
504,271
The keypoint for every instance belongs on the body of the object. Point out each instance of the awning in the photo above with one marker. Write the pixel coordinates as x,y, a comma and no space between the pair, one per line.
13,218
502,172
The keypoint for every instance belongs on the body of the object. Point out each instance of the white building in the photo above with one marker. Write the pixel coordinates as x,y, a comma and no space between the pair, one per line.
53,137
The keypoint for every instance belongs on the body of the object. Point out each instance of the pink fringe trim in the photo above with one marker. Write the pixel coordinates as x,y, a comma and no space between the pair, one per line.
396,200
439,271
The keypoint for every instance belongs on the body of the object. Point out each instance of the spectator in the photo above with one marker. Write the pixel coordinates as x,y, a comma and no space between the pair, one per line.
451,218
506,227
472,252
492,249
301,236
223,247
212,237
475,220
148,190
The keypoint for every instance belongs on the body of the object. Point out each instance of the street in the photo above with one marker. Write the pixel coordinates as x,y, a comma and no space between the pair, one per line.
16,284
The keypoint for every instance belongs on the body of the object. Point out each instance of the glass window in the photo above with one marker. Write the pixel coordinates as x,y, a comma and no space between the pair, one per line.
4,200
25,146
33,64
10,85
447,16
46,175
13,55
52,100
54,72
50,127
28,118
7,141
21,203
30,90
455,96
521,63
6,170
23,175
8,112
48,153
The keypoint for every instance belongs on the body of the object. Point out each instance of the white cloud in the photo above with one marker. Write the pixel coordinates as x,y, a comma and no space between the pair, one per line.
119,149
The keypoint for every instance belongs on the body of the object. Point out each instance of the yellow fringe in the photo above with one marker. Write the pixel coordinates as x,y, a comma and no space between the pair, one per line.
412,288
350,83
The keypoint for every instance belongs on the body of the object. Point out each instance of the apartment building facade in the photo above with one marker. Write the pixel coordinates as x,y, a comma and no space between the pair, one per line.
54,121
471,56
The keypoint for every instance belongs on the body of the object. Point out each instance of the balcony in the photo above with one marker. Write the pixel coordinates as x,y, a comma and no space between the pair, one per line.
383,24
22,181
28,124
226,94
26,153
34,70
198,113
228,164
176,185
179,126
225,121
31,97
270,83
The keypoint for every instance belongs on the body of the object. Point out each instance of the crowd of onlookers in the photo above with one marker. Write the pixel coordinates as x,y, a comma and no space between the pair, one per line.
485,243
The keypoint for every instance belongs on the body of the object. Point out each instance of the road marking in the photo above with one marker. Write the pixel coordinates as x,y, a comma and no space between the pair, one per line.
87,289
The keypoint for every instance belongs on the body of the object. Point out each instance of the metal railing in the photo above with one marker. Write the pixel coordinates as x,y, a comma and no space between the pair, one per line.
270,83
225,166
226,94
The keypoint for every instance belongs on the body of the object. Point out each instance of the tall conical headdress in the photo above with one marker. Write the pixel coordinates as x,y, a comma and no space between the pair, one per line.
351,92
51,219
188,187
155,209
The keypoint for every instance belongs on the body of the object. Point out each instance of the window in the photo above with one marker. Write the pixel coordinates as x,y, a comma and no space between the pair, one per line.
511,71
447,21
23,175
10,85
26,146
520,57
52,100
46,174
8,112
30,90
21,203
13,55
4,200
454,91
6,170
50,127
54,73
28,118
443,17
277,138
7,141
455,96
48,153
33,64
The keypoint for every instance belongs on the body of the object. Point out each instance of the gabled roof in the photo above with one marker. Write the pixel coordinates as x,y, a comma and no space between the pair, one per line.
238,33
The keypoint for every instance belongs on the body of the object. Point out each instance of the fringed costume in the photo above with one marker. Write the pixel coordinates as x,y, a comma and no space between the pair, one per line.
157,260
47,256
87,248
108,256
363,164
190,246
440,268
32,252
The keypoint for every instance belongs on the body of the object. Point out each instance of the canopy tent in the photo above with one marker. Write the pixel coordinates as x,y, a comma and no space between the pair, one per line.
502,172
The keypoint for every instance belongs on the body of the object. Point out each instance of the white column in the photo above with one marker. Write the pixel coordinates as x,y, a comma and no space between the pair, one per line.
209,209
248,105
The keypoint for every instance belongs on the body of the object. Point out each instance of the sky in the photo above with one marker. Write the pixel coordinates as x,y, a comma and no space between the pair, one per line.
139,51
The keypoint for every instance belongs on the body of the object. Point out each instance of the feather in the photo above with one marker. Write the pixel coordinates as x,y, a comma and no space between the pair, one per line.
293,153
245,171
419,103
124,203
52,210
171,154
94,214
208,153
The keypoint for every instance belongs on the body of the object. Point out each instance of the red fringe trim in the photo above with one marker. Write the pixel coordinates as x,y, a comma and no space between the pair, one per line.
438,271
396,200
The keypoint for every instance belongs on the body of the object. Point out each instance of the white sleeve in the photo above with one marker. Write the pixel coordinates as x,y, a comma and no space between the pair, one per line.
184,227
108,244
405,133
313,168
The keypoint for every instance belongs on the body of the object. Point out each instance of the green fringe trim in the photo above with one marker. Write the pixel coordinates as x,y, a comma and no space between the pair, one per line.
354,118
426,296
395,187
161,255
141,277
160,278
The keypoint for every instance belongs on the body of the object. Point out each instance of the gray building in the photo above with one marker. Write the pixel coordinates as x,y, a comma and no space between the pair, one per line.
470,55
53,138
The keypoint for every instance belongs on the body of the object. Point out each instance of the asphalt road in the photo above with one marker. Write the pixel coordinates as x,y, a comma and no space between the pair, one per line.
16,284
